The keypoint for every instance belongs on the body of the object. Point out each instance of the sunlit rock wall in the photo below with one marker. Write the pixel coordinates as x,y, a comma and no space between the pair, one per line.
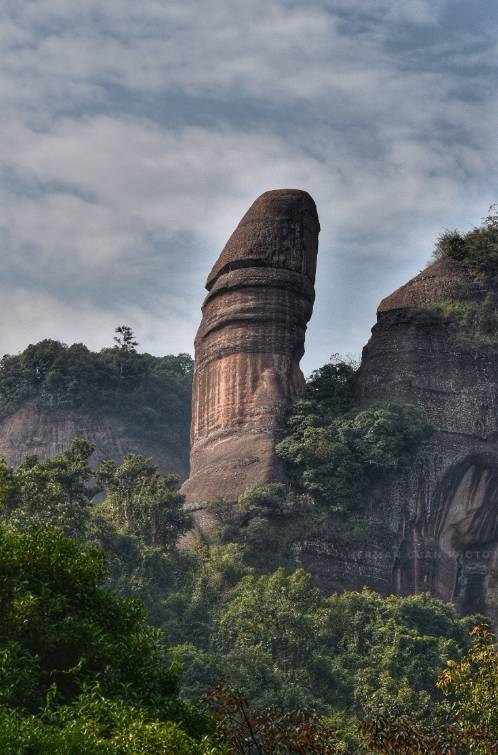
249,345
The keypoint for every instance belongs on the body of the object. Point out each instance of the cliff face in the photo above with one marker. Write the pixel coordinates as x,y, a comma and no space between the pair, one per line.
433,525
442,510
249,344
32,430
120,400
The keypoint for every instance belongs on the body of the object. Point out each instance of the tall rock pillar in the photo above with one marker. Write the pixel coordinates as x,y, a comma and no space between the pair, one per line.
249,345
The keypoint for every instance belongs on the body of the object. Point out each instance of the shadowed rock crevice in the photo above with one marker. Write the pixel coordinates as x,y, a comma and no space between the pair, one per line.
466,535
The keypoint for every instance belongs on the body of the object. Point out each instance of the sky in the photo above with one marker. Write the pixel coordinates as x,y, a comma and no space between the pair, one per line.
134,135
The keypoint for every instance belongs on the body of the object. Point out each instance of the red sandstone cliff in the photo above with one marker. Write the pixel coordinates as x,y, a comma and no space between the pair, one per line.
249,344
31,430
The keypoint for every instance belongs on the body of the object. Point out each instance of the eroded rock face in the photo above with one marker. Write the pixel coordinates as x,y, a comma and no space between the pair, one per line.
31,430
442,510
249,345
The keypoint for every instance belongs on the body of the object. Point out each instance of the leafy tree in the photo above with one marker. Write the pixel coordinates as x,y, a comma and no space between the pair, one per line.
264,522
138,524
150,395
331,387
337,461
215,571
267,635
143,501
470,686
125,339
476,251
51,492
466,722
77,660
282,643
59,629
95,725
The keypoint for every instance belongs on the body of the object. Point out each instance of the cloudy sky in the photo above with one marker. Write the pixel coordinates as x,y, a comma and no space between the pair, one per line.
135,134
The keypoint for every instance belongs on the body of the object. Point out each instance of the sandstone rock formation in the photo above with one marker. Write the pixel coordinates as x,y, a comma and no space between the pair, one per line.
249,344
32,430
442,511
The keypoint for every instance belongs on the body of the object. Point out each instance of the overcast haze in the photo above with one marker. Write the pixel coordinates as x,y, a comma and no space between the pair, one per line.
136,134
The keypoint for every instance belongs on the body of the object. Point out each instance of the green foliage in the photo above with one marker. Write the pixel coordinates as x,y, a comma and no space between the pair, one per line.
467,720
146,392
470,687
137,524
215,571
336,461
264,522
49,492
393,647
95,725
472,317
81,671
328,395
329,389
60,630
477,250
80,668
282,643
144,502
125,339
472,324
267,633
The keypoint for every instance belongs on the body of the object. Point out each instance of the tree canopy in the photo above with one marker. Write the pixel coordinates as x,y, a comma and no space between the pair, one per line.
149,393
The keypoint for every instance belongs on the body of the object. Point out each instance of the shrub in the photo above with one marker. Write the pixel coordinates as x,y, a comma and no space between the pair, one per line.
476,250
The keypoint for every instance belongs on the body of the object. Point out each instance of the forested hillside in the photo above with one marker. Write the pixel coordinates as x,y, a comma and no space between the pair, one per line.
118,398
282,666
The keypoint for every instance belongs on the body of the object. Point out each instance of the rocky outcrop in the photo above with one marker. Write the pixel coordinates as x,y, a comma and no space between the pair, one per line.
433,525
32,430
442,510
249,345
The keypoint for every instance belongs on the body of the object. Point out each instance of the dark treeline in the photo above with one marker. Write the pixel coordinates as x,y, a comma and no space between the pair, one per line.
150,394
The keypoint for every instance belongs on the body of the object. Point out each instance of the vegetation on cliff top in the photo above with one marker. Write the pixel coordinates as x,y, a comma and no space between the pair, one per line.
473,325
149,393
472,320
476,250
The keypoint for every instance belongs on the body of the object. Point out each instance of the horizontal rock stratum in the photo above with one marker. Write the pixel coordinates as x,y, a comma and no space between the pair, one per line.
433,524
249,345
443,508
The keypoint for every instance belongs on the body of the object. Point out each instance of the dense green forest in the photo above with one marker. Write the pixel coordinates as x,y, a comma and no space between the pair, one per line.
114,640
149,394
472,315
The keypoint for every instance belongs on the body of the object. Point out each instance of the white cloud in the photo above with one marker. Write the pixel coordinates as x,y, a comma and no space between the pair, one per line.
267,49
29,316
126,125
